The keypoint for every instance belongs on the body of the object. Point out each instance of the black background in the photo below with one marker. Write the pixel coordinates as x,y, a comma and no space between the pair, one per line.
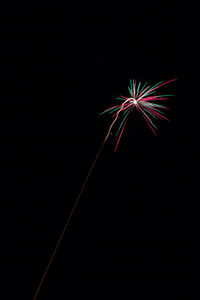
135,228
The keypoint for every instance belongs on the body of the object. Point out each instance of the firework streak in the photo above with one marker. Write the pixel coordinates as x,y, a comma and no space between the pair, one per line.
142,99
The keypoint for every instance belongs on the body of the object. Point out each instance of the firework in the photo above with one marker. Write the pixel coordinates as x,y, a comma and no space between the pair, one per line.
141,99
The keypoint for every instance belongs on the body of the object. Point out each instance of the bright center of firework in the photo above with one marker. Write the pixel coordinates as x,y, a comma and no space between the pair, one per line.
134,102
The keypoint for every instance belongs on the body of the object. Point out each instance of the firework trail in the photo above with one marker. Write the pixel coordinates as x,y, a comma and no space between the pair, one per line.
142,99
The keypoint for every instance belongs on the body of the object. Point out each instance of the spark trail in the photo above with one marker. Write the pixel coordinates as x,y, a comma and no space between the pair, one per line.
142,100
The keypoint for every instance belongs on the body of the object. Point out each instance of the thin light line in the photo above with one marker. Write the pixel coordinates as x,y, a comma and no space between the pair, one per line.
75,205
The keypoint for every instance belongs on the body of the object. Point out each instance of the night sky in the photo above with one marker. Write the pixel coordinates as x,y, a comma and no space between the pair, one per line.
135,229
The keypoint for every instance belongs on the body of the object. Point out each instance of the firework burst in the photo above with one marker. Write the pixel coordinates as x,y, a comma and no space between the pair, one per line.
141,99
